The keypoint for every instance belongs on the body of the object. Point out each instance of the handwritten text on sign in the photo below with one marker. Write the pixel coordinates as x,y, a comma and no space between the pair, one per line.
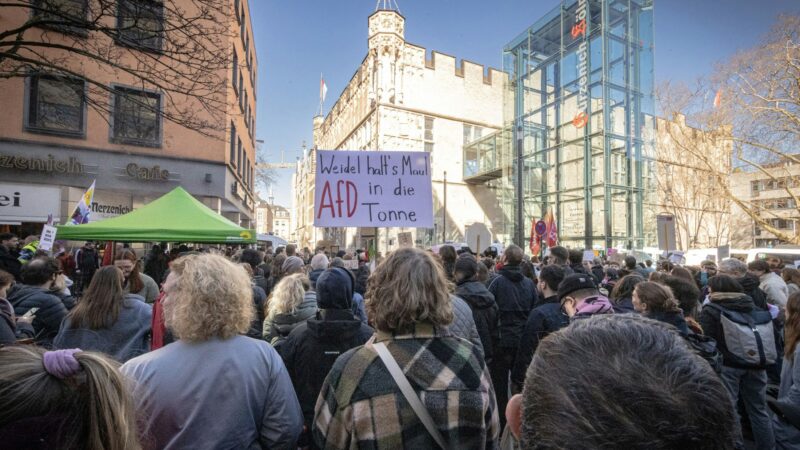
373,189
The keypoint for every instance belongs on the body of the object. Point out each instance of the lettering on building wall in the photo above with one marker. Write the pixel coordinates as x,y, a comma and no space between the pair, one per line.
110,209
13,200
49,165
579,31
155,173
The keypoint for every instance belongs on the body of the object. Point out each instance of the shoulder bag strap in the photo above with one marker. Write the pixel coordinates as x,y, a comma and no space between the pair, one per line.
408,392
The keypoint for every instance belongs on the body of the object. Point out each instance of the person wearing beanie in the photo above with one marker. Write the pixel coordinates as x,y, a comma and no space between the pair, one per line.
580,297
318,265
293,264
480,301
311,349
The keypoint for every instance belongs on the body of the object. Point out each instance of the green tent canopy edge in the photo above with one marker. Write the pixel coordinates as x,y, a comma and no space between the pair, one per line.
174,217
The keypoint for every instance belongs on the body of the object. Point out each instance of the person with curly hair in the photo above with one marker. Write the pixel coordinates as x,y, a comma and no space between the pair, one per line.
213,388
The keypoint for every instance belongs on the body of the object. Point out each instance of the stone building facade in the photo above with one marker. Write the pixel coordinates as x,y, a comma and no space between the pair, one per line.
402,99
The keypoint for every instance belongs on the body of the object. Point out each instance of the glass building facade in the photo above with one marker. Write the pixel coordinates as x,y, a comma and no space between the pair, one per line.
579,134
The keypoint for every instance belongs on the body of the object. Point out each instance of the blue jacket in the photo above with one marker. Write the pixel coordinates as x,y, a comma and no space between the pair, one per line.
543,320
126,338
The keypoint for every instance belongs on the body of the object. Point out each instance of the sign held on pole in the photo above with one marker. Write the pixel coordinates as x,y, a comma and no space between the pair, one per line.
666,232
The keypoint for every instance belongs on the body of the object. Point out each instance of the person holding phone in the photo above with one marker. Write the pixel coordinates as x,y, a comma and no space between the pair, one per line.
39,276
12,328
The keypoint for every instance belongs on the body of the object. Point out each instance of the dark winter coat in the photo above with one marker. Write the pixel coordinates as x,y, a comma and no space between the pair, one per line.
750,286
10,263
673,318
712,324
624,306
362,274
10,330
543,320
598,274
311,349
313,276
49,316
277,328
155,266
88,261
484,312
259,302
515,296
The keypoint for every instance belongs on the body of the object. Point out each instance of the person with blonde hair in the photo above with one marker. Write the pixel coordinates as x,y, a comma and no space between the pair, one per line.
107,319
292,303
361,405
213,387
64,399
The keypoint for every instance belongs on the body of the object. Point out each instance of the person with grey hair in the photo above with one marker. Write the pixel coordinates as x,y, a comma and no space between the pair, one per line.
737,270
319,263
293,264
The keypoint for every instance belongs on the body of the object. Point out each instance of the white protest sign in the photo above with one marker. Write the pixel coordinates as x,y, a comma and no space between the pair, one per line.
48,238
588,255
373,189
351,264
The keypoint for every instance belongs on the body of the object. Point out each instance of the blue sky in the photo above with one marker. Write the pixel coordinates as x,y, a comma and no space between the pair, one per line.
298,40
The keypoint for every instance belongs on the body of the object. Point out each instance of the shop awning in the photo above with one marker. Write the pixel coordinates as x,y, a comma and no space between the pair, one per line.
175,217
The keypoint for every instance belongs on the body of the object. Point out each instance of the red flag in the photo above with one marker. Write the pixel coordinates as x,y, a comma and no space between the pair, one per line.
718,98
108,254
535,243
551,233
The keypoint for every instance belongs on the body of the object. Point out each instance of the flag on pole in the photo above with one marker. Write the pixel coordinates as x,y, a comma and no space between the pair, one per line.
82,210
323,89
535,243
551,233
718,98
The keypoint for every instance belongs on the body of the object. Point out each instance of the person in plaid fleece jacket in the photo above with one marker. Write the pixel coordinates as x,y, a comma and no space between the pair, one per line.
360,404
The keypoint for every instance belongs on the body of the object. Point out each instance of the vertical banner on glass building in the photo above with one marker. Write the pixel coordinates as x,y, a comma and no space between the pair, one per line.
373,189
579,32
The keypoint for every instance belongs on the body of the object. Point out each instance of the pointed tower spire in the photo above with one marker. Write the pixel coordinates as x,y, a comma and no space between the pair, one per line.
387,5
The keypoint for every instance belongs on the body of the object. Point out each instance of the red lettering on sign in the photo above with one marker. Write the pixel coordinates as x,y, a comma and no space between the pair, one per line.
349,199
579,29
580,120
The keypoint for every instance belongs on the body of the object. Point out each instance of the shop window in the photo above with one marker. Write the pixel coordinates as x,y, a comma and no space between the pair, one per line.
233,145
63,15
136,117
140,24
56,105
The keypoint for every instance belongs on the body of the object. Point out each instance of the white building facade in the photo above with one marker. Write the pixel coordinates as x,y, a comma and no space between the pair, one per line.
400,99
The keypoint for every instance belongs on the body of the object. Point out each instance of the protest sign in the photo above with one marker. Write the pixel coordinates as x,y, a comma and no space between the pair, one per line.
351,264
48,238
588,255
373,189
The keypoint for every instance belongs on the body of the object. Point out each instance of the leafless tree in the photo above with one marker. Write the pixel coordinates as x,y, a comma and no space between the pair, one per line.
180,49
756,96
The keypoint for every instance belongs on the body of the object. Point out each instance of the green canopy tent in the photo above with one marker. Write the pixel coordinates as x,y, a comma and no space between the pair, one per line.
174,217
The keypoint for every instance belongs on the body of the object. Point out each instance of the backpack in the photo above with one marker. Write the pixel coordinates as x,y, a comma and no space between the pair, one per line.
748,336
706,348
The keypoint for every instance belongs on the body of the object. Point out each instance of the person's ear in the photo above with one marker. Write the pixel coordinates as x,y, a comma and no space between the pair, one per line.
514,414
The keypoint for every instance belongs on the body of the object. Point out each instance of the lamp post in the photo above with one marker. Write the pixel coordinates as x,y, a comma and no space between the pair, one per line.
444,211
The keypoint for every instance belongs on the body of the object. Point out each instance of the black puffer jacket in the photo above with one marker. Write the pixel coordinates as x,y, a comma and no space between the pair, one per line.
515,296
484,312
49,316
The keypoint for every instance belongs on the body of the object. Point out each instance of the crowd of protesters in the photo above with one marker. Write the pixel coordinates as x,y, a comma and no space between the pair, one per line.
204,348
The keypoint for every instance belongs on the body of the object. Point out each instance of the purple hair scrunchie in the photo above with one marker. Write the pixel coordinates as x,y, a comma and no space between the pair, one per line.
62,363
